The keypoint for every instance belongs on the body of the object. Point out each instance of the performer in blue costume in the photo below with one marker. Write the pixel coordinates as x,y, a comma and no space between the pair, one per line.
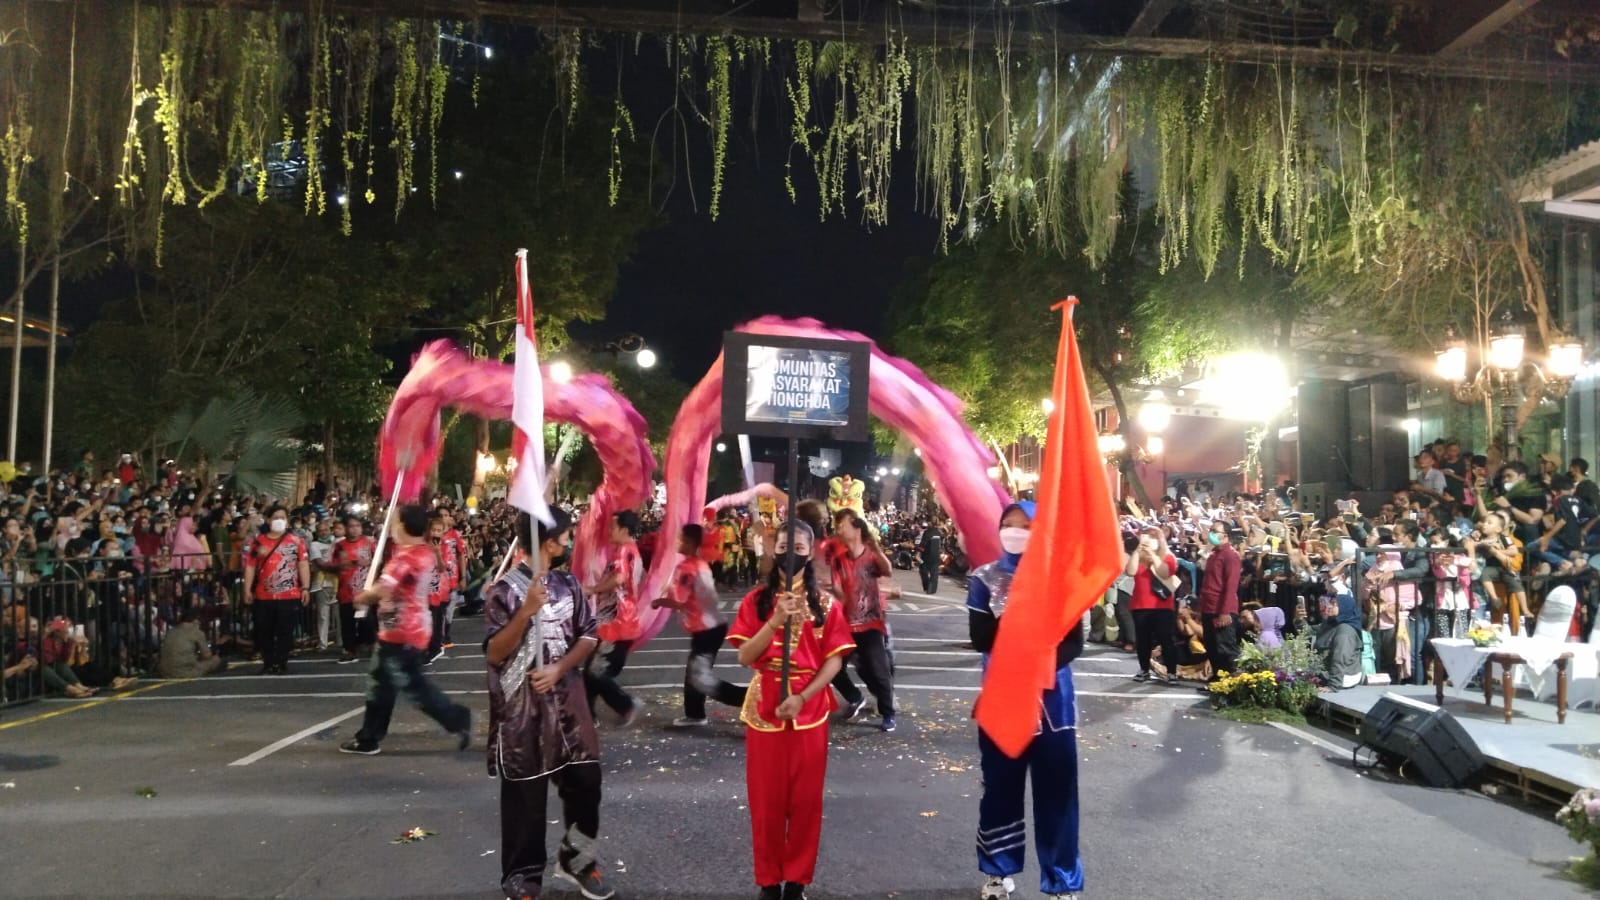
1052,758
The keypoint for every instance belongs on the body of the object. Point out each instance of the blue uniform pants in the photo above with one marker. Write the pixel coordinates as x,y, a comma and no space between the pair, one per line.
1052,760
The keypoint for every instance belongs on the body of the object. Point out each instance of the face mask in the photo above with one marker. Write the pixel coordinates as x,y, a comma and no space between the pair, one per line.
114,554
1510,482
1014,540
278,526
1214,538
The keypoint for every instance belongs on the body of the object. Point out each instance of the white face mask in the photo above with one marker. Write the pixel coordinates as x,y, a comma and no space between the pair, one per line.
1014,540
278,525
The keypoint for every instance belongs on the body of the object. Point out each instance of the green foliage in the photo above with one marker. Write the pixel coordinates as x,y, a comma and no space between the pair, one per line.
245,442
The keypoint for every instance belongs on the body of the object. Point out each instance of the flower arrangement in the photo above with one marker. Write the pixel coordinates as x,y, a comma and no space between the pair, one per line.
1581,817
1483,637
1283,679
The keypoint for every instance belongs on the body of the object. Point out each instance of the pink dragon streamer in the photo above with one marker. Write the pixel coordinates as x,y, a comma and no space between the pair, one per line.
443,375
899,394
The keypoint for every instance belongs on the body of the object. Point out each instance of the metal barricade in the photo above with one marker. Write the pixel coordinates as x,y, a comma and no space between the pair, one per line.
92,620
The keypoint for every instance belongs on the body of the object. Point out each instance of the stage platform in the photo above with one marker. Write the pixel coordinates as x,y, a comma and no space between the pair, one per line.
1534,755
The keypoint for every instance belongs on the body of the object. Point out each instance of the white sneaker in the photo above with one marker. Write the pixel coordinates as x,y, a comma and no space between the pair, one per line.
995,889
687,722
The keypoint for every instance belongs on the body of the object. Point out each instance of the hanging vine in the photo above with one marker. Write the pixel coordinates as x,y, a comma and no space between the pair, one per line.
719,83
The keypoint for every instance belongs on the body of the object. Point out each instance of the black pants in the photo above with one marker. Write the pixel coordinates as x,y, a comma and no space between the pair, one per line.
603,684
397,668
876,669
357,633
1222,643
1156,628
522,820
703,647
436,639
275,622
930,579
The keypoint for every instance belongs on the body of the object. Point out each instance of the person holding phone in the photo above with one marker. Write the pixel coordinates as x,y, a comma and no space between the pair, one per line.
1155,616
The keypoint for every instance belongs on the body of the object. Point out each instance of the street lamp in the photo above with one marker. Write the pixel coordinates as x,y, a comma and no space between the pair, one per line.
646,358
722,447
1508,376
561,372
1048,405
486,463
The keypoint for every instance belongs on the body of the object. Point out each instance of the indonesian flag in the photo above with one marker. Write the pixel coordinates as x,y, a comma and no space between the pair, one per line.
1073,555
527,408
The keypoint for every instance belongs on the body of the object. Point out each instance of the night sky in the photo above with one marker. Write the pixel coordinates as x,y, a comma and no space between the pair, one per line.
694,278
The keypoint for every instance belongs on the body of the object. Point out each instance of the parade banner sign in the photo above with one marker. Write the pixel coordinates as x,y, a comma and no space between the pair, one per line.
795,387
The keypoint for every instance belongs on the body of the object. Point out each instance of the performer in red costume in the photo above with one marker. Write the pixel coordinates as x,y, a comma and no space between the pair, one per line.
786,738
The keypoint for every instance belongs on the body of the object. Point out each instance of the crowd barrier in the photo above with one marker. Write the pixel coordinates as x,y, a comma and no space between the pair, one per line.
115,613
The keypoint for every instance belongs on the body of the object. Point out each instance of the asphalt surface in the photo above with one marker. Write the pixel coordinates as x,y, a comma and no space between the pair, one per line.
231,787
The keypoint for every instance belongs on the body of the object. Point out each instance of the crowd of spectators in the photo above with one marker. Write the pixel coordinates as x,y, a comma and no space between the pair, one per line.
1458,544
107,574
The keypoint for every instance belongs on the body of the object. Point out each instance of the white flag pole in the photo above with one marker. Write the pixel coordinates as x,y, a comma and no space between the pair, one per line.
383,542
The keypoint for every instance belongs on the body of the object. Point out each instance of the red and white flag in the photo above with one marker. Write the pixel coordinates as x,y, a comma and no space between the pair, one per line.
527,408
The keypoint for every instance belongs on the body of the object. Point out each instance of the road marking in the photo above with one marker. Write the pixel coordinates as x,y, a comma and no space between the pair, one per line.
301,735
662,686
1310,738
78,707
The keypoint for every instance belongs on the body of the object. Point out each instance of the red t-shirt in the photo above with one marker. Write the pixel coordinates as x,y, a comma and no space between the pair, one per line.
450,554
277,565
856,580
353,579
693,586
438,581
617,613
1143,597
403,618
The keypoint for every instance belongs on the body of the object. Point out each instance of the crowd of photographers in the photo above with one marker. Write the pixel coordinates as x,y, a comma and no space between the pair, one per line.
1458,544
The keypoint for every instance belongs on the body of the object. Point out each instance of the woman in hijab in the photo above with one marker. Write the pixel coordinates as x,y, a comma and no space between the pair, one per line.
1051,760
1340,635
188,551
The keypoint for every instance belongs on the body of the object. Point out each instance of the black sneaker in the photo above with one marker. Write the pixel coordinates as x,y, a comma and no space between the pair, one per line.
360,747
346,659
589,882
794,891
1172,680
1142,677
851,710
771,892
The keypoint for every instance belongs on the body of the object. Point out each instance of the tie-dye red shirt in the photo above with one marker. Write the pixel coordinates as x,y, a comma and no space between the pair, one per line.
409,575
277,566
353,579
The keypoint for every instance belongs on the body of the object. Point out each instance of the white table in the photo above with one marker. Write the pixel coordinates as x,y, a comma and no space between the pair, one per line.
1460,658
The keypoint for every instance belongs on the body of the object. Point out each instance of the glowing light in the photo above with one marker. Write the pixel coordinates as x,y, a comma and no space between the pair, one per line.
646,358
1566,359
1155,445
1048,405
343,199
458,174
1505,351
895,471
882,471
1247,386
488,52
1112,443
1412,426
1451,364
1155,416
561,372
917,450
486,463
993,472
721,447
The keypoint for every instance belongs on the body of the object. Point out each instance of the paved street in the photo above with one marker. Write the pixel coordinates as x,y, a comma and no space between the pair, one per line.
250,798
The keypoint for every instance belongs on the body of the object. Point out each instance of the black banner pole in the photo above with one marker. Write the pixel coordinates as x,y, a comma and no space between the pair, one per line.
789,560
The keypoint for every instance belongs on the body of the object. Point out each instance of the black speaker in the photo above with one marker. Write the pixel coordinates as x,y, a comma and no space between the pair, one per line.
1378,442
1322,420
1316,499
1426,740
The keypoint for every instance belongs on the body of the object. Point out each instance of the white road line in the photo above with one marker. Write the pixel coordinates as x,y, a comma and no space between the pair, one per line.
665,686
301,735
1310,738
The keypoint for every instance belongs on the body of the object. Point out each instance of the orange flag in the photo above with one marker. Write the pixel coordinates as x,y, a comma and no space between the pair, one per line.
1073,555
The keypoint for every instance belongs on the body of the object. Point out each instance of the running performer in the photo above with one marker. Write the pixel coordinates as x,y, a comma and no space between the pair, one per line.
857,564
693,593
617,617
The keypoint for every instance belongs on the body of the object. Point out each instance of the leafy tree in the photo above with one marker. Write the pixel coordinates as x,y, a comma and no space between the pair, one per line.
979,322
245,443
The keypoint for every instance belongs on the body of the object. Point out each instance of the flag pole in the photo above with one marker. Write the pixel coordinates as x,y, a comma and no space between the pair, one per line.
505,564
383,541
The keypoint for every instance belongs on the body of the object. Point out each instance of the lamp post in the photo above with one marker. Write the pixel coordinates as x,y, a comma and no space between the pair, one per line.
1508,376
